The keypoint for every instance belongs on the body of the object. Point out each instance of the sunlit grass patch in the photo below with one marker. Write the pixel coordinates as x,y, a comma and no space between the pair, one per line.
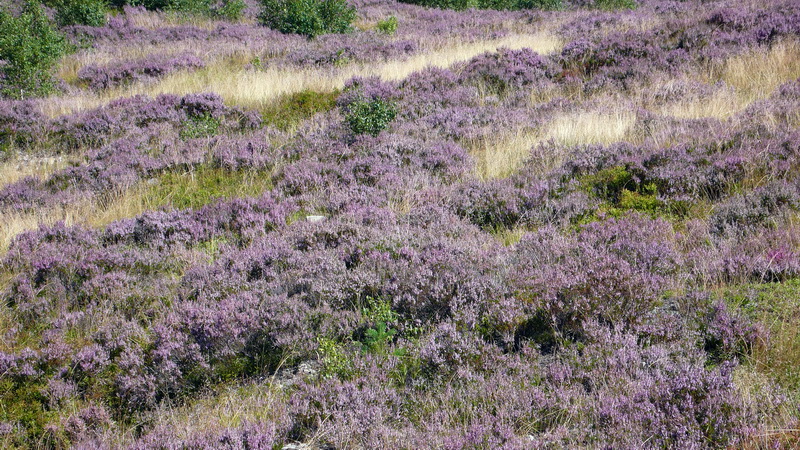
721,105
756,74
15,170
190,189
197,188
257,88
501,157
591,127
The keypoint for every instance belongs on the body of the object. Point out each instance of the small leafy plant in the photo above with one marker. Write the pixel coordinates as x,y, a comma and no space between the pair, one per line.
370,116
388,25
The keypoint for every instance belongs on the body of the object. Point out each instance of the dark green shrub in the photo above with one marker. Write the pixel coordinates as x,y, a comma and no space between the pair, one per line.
30,46
231,9
190,6
308,17
370,116
539,4
610,5
80,12
388,25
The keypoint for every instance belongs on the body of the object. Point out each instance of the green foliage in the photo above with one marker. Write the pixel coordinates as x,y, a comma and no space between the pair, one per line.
231,9
776,306
380,314
200,126
370,116
388,25
204,185
25,404
291,110
540,4
227,9
460,5
334,359
610,5
309,18
190,6
80,12
31,46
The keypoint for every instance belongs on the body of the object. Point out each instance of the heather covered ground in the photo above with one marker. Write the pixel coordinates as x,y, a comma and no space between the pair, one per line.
567,225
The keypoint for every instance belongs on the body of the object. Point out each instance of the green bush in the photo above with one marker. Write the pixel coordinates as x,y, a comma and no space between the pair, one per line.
231,9
30,46
370,116
80,12
610,5
388,25
309,18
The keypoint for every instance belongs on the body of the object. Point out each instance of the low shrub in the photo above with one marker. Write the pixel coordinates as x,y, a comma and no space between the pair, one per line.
388,25
370,116
309,18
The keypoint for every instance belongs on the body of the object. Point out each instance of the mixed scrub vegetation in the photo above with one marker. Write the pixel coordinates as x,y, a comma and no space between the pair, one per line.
420,224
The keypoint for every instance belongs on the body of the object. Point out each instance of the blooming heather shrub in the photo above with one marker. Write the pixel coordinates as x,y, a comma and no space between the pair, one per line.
460,5
21,123
754,209
369,291
508,70
309,18
136,71
607,272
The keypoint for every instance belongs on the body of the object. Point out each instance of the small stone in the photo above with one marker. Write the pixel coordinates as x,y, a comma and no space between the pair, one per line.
315,218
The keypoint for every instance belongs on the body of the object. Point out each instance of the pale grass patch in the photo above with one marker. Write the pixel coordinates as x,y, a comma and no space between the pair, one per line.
254,89
501,157
94,214
15,170
755,75
510,237
229,407
591,127
721,105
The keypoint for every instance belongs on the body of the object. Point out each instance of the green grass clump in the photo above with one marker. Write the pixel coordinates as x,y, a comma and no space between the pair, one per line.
202,186
290,111
776,306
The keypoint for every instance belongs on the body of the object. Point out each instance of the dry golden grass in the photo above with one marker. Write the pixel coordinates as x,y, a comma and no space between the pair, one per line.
254,89
756,75
721,105
16,170
591,127
229,407
500,158
123,205
749,77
